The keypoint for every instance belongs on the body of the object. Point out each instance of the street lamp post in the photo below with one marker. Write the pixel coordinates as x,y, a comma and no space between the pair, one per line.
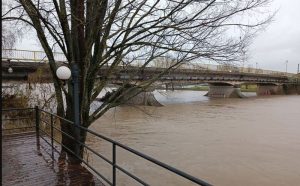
64,73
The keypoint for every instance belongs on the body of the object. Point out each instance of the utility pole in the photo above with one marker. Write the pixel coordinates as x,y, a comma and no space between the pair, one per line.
298,69
286,65
256,65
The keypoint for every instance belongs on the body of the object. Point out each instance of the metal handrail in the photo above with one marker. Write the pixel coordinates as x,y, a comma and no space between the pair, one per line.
24,124
114,143
16,109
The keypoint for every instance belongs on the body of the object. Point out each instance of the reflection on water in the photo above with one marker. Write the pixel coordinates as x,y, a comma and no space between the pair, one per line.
252,141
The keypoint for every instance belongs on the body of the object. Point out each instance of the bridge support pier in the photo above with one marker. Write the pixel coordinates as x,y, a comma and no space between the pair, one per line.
263,90
144,98
168,85
224,91
291,89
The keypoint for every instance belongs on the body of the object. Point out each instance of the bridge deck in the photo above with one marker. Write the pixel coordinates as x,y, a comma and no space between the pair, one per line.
26,163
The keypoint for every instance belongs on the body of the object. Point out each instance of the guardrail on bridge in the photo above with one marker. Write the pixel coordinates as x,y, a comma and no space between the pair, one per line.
40,56
30,55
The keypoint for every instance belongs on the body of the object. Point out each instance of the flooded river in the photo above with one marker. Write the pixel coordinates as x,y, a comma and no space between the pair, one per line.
251,141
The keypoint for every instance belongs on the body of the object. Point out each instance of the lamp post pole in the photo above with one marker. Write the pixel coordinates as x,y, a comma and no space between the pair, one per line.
76,105
64,73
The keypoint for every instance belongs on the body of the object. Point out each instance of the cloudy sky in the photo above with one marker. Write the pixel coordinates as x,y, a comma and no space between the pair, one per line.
271,49
280,42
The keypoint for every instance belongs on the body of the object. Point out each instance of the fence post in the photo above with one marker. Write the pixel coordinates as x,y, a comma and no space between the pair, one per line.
51,121
114,164
34,56
37,121
37,126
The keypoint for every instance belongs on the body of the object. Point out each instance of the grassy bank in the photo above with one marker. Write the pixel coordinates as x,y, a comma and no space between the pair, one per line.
248,88
196,88
244,88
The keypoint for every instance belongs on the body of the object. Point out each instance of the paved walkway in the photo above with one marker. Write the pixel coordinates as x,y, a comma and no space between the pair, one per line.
25,163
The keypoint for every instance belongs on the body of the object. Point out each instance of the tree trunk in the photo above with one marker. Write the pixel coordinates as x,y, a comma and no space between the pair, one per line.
70,141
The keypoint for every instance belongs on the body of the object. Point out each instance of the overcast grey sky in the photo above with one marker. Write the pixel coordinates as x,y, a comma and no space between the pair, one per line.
270,49
280,41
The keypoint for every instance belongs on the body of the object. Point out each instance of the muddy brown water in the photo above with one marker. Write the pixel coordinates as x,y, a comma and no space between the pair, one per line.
252,141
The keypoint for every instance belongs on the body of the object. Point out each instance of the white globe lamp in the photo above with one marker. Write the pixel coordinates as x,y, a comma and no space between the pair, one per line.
63,73
10,70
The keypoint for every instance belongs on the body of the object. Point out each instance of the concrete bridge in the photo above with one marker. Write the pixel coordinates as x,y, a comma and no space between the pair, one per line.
223,82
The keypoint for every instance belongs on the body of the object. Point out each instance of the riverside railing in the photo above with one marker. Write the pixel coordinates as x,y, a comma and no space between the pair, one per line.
45,126
18,120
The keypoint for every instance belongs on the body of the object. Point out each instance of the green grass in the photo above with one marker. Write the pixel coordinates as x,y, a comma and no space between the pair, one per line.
244,88
249,88
196,88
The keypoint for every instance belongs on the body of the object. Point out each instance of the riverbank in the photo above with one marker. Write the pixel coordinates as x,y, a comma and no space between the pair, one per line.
244,88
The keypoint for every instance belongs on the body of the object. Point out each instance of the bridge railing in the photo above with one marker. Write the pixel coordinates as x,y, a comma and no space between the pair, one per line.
233,69
40,56
30,56
213,67
48,129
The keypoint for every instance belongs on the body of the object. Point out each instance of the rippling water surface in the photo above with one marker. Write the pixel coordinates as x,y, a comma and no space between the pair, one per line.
252,141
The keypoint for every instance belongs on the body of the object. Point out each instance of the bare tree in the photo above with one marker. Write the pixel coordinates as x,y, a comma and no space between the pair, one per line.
9,36
108,33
